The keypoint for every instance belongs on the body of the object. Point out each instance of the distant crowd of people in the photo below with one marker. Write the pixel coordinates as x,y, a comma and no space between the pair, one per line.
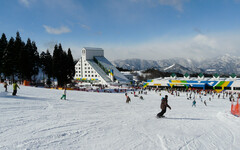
202,95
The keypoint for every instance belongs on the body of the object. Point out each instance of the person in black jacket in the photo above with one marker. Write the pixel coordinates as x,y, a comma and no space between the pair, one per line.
163,106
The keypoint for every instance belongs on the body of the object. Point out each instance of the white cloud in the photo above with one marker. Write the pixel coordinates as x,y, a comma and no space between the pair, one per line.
25,2
196,47
177,4
59,30
85,26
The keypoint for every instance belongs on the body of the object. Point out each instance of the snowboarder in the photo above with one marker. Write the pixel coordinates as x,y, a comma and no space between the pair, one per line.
141,97
128,99
194,103
5,86
205,102
163,106
64,94
15,86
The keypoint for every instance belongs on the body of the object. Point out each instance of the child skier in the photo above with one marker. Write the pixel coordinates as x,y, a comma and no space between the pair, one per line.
5,86
194,103
64,94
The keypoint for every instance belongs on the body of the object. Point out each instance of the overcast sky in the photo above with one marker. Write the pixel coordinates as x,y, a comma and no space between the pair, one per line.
145,29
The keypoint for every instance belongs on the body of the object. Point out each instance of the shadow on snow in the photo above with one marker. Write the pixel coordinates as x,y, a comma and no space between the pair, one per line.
6,95
185,118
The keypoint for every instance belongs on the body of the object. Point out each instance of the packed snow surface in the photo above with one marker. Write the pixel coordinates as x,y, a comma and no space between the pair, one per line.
37,119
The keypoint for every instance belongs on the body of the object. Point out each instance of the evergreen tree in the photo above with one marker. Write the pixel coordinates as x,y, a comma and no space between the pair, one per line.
24,61
64,68
34,60
71,66
63,65
46,63
57,64
18,49
8,59
3,46
29,61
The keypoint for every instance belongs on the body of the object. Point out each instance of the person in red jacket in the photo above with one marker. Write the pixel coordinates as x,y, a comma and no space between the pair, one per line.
163,106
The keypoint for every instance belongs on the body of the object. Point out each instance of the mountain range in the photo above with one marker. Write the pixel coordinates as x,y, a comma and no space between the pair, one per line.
225,64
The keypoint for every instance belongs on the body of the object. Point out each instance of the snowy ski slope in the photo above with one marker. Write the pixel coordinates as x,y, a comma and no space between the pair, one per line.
38,119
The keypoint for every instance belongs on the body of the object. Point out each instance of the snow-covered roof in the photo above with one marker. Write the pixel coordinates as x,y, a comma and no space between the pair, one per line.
92,48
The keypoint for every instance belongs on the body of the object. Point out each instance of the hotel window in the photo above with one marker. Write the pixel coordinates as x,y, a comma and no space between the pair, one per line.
88,67
85,64
88,75
88,71
85,68
95,75
92,75
85,75
79,68
85,71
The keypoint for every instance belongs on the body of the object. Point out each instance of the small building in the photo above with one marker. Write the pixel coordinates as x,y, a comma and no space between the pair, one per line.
93,67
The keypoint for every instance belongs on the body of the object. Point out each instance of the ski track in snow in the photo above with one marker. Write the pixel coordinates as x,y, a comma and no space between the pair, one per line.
38,119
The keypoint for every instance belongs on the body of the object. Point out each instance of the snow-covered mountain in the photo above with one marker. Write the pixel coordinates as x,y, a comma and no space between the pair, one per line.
225,64
136,64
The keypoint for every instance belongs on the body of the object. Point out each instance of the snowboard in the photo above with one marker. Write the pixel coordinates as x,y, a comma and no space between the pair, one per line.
160,117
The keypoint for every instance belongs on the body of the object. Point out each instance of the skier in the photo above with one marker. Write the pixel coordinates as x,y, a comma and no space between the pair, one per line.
194,103
64,94
128,99
205,102
230,97
5,86
15,86
163,106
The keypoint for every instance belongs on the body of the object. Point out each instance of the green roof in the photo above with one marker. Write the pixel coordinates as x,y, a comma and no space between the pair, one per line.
200,75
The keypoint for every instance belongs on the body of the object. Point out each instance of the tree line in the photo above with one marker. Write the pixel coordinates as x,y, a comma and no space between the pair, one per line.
21,61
